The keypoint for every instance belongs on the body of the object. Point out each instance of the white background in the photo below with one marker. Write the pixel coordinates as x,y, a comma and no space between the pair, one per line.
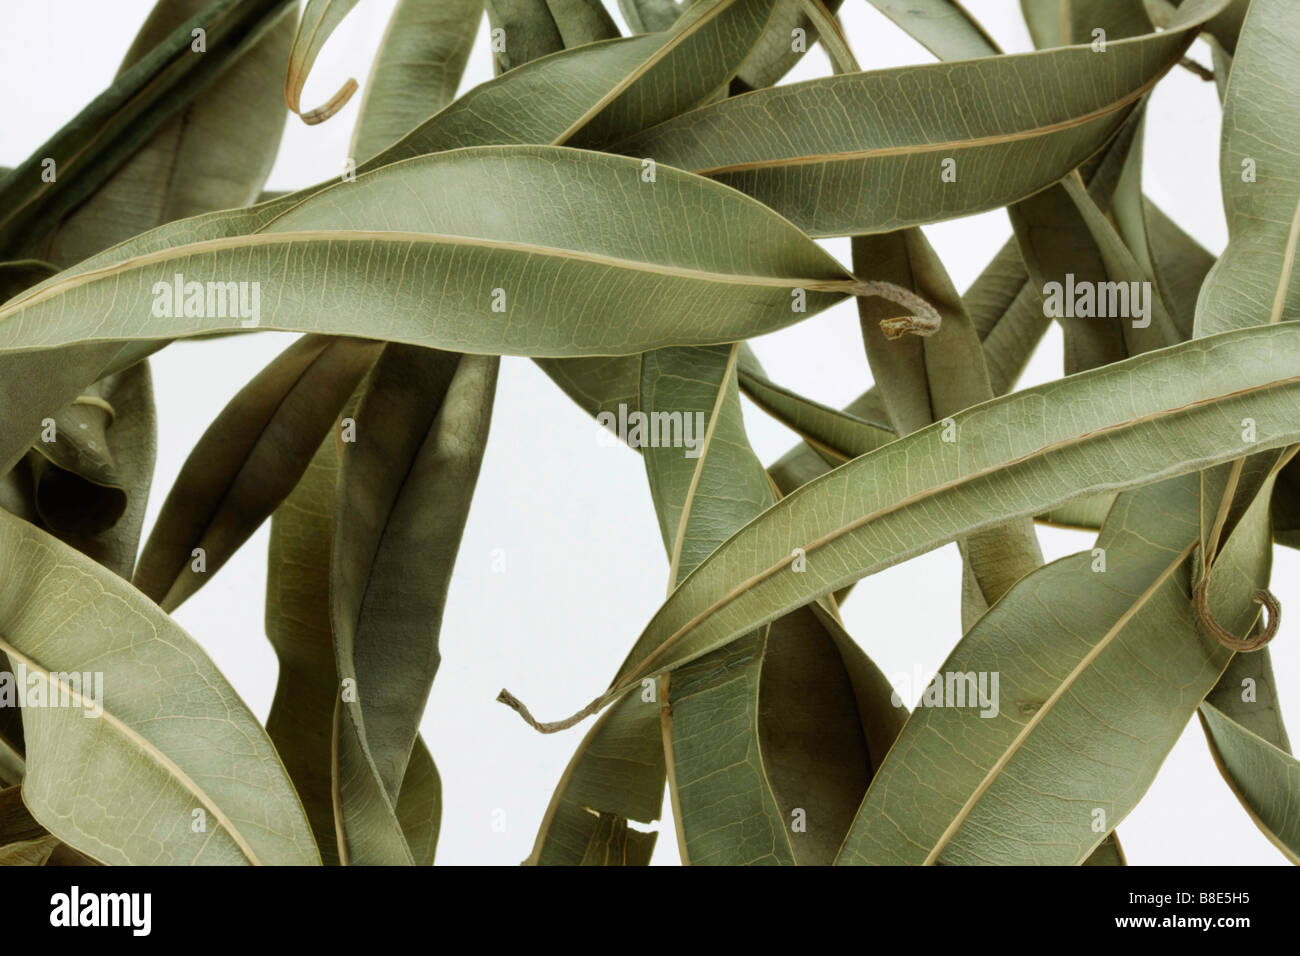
585,568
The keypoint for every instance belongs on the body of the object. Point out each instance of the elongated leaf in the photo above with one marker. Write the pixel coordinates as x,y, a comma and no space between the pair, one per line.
879,165
1264,777
225,141
1054,714
1014,456
404,494
419,66
1006,310
1263,214
535,28
928,379
1256,271
840,435
298,626
526,31
302,712
108,131
247,462
170,736
532,262
1067,241
770,740
621,86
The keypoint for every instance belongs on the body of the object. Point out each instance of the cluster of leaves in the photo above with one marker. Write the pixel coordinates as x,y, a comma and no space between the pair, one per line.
627,211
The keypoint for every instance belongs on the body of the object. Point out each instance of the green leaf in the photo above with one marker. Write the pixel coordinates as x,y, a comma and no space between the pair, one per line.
619,86
1256,272
527,31
1109,853
770,741
170,737
404,492
1257,279
322,265
1067,241
1055,716
225,140
127,115
301,722
925,379
1010,128
1264,777
419,66
1015,456
247,462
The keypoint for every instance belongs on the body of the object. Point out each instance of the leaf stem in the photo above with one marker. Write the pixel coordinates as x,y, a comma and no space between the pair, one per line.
551,727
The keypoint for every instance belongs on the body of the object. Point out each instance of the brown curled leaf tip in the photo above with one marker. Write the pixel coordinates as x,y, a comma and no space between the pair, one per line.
903,325
923,320
546,727
335,103
1200,600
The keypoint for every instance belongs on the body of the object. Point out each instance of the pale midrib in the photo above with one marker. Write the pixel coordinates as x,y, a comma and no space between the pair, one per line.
689,501
645,666
642,69
148,749
844,286
1288,263
977,142
1040,715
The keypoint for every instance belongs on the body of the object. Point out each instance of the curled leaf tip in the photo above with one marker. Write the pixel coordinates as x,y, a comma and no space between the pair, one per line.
898,327
923,319
545,727
1273,607
335,103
